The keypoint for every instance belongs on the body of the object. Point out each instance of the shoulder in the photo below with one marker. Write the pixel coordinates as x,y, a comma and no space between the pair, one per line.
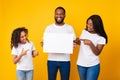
13,48
29,43
101,40
84,31
68,25
50,25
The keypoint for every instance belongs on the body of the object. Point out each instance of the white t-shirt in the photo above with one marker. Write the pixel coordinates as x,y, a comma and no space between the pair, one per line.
25,62
59,29
86,56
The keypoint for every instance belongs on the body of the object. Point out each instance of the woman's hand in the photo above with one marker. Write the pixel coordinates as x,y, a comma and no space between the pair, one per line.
86,41
77,41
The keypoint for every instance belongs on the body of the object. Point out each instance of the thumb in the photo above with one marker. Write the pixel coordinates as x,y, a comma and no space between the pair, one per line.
27,50
22,49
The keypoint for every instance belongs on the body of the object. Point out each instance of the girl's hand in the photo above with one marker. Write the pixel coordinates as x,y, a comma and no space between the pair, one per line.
41,43
16,58
24,52
35,53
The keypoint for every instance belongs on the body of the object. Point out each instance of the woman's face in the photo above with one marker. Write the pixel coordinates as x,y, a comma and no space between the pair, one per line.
23,37
90,26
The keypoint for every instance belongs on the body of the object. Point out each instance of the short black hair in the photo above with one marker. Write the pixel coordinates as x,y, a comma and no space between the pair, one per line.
60,8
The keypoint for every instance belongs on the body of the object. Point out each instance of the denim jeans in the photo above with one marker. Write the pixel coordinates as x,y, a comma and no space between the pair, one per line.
89,73
25,75
62,66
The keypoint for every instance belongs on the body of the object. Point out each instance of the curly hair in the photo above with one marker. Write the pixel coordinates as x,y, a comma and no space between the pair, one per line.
15,38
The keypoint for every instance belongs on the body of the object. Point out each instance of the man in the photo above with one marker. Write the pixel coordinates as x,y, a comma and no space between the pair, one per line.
59,61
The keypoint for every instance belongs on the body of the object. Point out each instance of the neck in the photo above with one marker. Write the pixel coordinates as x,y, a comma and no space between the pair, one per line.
61,24
93,32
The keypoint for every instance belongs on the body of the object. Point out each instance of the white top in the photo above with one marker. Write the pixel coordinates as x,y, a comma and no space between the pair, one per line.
86,56
59,29
25,62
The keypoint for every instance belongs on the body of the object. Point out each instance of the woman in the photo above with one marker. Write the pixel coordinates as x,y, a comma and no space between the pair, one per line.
92,41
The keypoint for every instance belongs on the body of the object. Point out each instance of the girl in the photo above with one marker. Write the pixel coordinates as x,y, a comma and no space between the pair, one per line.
23,50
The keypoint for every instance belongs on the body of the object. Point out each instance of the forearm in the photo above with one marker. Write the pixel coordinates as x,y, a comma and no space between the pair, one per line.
95,50
16,59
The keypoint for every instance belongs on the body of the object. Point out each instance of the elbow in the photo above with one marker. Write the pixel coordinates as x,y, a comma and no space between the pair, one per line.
15,62
97,53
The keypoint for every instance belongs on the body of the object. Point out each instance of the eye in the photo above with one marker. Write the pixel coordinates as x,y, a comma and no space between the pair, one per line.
23,36
89,24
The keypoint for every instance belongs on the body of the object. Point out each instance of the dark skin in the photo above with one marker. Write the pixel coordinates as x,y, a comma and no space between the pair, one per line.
96,49
23,39
59,20
16,58
59,17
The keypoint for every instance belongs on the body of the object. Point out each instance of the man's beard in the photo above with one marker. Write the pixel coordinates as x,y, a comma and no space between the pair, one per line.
59,22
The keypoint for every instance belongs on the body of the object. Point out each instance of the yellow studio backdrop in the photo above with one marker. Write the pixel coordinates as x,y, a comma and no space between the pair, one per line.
35,15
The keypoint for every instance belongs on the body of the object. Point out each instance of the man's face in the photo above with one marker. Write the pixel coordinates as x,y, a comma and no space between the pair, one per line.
59,16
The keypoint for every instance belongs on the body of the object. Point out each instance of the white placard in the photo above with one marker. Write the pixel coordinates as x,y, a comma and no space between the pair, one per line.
58,43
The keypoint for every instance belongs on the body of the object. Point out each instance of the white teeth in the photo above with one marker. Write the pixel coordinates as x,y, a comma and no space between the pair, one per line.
58,18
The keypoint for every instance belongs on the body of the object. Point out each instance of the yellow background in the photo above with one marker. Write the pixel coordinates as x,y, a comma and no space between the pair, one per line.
37,14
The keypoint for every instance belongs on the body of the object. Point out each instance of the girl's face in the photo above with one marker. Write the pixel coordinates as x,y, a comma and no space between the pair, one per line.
90,26
23,37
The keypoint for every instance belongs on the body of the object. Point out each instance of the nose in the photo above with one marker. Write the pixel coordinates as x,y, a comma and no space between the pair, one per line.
59,15
24,37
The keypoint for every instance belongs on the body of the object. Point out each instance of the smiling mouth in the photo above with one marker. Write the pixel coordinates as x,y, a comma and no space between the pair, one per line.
59,19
